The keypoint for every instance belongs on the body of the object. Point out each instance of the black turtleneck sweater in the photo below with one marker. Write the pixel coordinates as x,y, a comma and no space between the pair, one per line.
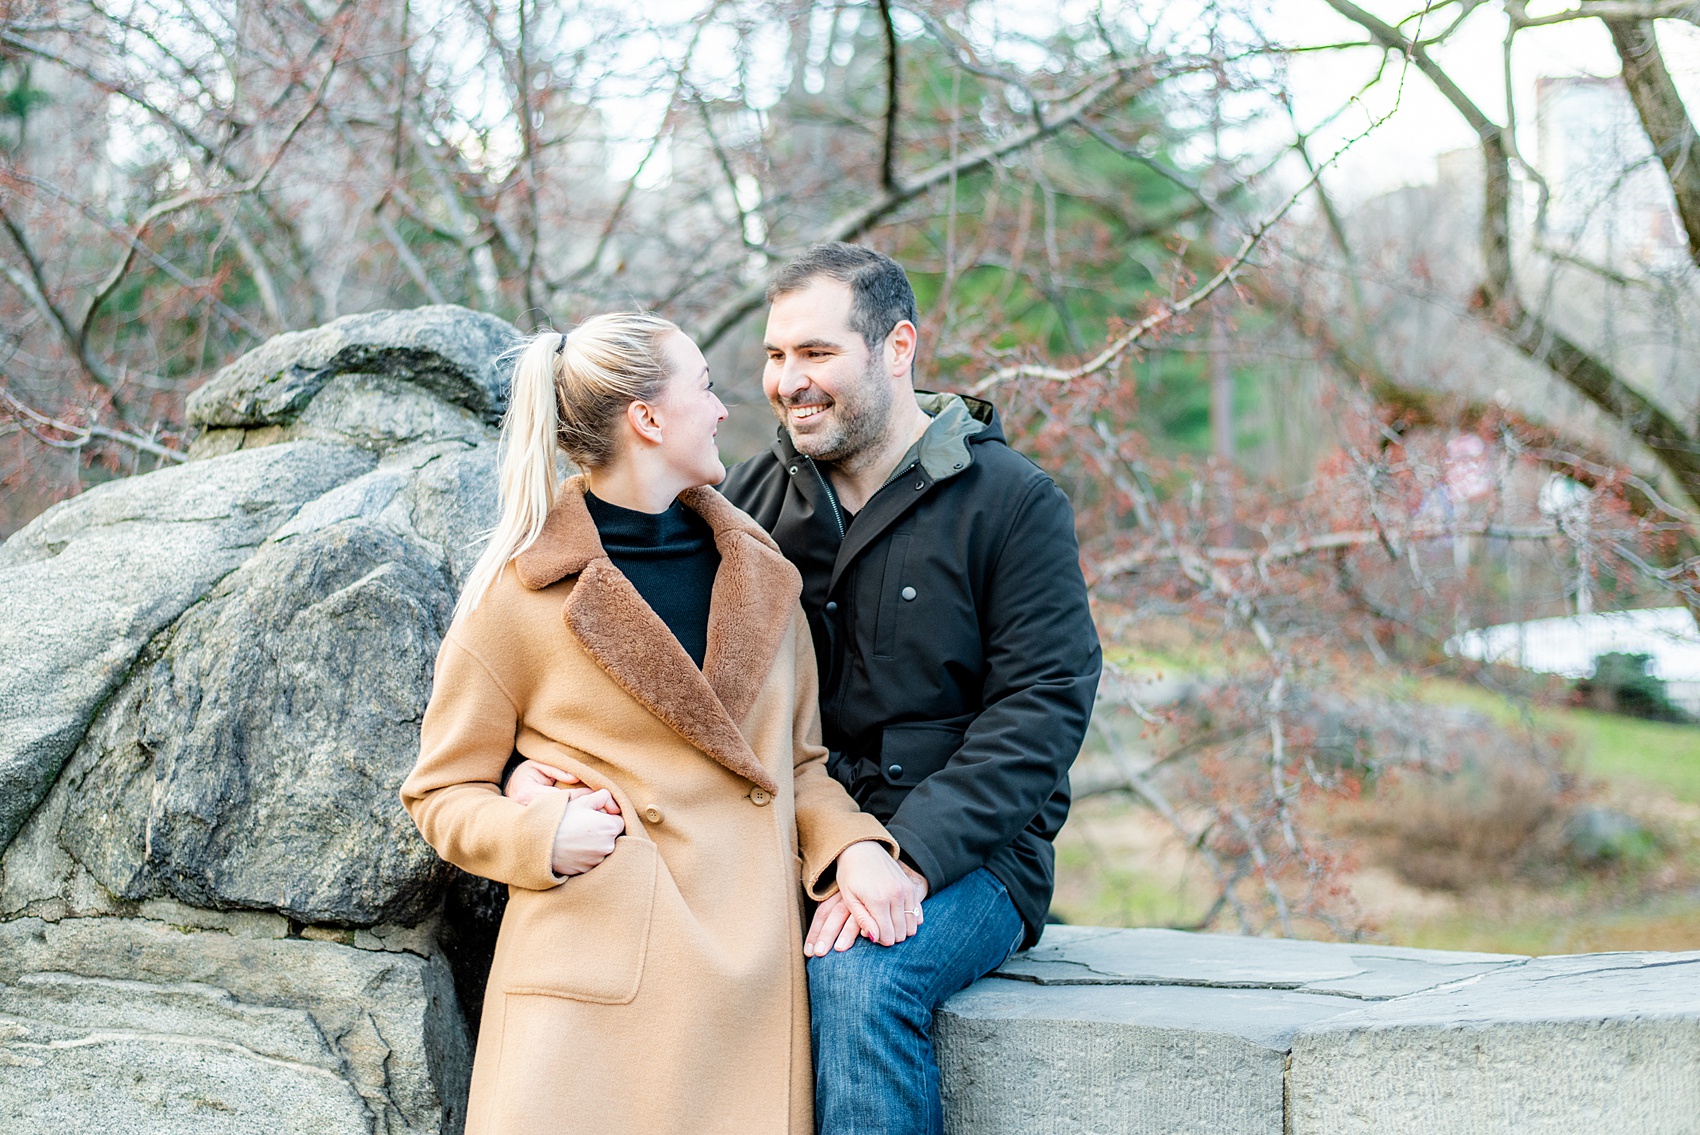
670,558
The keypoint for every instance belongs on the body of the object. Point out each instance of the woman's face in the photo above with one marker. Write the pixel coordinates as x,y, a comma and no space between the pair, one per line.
689,413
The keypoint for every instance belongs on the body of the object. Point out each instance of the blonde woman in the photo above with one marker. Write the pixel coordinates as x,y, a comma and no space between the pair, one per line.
640,641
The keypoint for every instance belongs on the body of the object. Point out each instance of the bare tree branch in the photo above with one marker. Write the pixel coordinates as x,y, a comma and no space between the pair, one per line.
888,150
1168,313
1497,298
35,286
1608,10
34,422
1663,116
850,225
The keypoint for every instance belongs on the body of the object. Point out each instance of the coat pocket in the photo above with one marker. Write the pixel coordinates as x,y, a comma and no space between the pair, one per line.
912,752
585,939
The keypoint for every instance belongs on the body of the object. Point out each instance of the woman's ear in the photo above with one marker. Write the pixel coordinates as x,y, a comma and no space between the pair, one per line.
641,416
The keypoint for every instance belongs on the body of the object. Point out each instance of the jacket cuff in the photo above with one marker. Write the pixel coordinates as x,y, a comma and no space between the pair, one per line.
534,836
820,863
921,857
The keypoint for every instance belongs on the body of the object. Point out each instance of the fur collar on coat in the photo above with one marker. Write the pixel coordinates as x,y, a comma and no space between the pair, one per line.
750,610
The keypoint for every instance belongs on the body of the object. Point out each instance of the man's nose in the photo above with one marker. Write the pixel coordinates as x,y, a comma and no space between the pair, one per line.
792,380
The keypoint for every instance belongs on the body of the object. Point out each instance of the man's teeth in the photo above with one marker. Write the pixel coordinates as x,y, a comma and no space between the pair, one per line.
802,413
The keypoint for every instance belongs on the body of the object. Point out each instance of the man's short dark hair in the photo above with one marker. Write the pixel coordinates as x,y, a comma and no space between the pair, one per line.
881,297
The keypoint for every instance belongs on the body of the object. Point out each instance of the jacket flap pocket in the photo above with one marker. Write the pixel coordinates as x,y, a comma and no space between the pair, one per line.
586,938
911,753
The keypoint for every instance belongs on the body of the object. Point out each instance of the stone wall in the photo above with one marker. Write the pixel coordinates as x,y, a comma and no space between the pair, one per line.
1156,1032
215,916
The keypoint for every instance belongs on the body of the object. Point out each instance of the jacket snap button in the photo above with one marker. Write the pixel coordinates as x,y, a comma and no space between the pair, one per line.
919,485
832,606
652,814
759,796
793,470
907,593
894,770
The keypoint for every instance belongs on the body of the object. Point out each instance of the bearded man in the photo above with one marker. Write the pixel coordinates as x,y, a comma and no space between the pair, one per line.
958,663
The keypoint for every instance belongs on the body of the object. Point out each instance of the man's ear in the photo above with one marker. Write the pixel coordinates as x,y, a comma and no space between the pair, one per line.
900,347
641,416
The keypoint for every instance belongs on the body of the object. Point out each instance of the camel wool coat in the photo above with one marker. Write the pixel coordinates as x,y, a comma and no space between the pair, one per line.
663,991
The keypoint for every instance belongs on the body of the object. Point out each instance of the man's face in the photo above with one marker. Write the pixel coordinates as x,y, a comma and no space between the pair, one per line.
833,395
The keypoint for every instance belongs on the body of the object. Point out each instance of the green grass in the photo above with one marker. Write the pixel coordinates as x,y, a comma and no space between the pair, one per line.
1656,754
1668,923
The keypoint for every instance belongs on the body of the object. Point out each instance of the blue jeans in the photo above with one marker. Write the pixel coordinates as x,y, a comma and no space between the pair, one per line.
871,1010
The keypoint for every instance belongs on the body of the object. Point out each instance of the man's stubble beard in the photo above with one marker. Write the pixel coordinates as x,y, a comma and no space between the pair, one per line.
861,421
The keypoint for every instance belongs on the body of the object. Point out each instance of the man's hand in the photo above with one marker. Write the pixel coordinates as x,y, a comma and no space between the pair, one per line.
876,899
916,878
533,778
587,833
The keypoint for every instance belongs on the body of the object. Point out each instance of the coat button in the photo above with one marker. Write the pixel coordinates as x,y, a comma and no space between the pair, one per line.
759,796
652,814
894,771
832,606
793,470
907,593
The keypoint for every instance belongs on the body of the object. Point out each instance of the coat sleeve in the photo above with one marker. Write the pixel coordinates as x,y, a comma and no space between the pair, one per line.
1042,663
454,793
828,820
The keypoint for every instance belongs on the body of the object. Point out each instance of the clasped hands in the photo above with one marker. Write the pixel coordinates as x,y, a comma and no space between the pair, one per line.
589,826
877,898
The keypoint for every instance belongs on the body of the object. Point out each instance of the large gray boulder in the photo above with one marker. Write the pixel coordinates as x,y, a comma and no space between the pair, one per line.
271,733
447,351
214,913
86,585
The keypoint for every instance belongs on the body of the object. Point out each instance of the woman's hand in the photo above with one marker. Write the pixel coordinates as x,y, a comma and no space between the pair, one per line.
533,778
587,832
876,899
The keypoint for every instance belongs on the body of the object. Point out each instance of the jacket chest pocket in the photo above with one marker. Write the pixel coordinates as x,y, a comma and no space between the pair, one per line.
585,939
891,595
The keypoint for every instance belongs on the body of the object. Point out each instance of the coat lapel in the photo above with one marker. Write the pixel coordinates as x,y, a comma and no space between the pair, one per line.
750,610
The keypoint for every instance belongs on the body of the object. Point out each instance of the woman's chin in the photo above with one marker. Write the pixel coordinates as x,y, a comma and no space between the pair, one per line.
709,473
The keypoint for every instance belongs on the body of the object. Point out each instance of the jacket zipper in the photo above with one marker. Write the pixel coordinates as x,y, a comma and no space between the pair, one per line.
831,497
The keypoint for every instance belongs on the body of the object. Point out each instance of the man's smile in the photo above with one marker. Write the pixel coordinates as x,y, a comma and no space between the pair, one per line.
804,413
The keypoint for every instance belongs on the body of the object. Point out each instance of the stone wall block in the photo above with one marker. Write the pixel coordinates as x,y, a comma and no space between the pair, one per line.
132,1025
1601,1042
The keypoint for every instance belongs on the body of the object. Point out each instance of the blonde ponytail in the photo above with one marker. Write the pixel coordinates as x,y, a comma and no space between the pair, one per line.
567,393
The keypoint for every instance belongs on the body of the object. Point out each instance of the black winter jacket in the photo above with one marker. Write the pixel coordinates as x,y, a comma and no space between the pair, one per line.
958,658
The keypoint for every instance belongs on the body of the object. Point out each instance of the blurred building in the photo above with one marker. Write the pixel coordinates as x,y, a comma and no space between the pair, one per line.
1610,200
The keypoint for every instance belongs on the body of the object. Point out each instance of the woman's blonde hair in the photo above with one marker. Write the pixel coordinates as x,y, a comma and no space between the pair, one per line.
567,393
